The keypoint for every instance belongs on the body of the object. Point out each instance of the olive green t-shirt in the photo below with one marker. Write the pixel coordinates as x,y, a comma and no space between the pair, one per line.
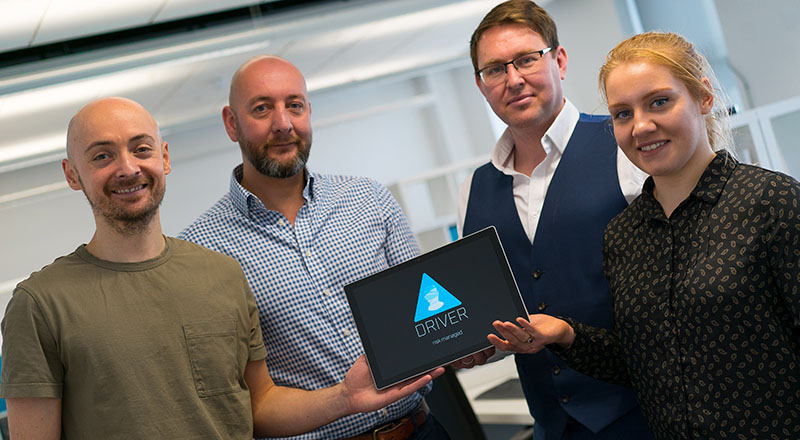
155,349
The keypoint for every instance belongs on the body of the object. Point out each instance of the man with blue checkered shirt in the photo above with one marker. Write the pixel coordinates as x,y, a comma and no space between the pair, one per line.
300,237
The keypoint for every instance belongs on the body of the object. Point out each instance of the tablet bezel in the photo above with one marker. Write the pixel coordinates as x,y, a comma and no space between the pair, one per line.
378,377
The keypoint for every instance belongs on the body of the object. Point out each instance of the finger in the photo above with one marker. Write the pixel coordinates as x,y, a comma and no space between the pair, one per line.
513,333
514,329
479,358
409,386
436,373
500,344
527,326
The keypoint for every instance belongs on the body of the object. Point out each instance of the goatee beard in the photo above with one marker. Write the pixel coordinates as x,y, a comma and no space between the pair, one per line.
274,168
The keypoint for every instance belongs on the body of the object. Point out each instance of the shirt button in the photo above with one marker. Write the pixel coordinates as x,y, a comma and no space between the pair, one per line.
280,222
384,412
556,370
537,274
308,252
327,292
542,306
564,399
346,332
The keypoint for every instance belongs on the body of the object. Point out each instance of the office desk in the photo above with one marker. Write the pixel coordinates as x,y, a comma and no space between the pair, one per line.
504,403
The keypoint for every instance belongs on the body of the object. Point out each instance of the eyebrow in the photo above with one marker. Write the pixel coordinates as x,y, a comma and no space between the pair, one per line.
647,95
105,143
515,56
271,99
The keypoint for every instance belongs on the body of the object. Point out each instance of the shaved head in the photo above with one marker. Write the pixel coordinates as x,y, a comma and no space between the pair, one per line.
79,125
257,66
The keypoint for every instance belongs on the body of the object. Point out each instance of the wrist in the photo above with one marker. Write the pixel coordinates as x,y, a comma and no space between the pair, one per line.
339,403
568,338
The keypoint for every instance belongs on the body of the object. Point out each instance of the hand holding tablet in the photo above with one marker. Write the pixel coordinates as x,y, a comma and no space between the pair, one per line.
362,396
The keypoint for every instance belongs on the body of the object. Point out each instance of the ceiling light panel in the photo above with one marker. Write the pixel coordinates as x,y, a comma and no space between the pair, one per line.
18,23
175,9
69,19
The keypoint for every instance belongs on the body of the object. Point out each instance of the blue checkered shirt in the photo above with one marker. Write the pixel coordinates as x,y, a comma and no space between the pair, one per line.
348,228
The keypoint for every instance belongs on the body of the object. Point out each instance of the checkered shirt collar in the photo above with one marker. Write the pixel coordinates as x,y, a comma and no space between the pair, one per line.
243,200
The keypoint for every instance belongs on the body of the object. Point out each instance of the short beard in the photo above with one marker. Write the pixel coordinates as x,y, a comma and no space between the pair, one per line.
269,167
123,221
127,224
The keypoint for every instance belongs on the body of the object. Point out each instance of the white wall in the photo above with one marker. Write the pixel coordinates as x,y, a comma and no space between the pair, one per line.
587,29
763,39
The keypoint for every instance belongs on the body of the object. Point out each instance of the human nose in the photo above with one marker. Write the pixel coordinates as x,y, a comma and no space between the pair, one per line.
642,125
281,121
513,77
128,165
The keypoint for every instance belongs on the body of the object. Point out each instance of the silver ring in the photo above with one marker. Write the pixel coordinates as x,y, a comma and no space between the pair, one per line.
464,361
530,339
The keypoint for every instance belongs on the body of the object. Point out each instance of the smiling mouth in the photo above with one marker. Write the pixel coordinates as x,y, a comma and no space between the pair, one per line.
129,190
652,147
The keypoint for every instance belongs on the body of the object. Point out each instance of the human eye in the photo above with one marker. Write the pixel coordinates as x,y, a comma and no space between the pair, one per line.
621,114
658,102
100,157
526,60
260,108
296,106
143,149
494,70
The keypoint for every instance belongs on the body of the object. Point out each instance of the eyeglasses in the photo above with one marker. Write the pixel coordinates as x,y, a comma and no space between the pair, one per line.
494,74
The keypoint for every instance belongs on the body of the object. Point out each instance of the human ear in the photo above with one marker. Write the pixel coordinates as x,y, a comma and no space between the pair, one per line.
165,158
71,175
707,101
229,119
479,83
561,59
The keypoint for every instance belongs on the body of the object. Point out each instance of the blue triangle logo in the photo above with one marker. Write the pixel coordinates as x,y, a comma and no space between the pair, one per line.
433,299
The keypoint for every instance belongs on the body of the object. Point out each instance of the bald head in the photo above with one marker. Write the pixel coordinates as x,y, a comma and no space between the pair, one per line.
101,117
259,68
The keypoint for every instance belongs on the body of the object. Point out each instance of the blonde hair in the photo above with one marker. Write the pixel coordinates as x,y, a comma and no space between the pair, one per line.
687,65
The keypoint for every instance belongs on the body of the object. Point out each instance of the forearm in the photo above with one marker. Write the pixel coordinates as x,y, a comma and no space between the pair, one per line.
283,411
595,352
280,411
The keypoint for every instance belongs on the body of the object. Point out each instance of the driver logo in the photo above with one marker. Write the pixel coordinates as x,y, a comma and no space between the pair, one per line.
434,299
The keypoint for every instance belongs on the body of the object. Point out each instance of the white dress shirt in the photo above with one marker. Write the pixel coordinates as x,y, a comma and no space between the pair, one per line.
530,191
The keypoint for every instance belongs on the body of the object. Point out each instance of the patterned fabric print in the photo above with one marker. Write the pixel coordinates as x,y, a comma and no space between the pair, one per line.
706,307
348,228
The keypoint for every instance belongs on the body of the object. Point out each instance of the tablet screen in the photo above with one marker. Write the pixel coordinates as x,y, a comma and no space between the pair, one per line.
435,308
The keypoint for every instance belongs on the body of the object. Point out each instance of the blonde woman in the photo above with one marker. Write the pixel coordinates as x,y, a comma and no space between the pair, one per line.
704,266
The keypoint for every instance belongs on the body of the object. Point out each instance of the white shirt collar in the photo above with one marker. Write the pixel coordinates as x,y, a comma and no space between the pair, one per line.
556,136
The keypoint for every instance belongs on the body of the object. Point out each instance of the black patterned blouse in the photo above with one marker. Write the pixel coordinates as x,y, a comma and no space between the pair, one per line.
706,307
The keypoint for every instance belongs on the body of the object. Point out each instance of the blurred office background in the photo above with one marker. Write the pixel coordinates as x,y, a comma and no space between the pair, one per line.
390,82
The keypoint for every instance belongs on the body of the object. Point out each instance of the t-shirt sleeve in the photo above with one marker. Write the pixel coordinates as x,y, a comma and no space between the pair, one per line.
31,363
257,349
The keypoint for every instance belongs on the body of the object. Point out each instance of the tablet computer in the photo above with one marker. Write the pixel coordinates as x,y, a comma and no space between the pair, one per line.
435,308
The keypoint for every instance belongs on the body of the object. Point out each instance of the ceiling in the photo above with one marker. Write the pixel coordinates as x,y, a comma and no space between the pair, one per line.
183,79
47,21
